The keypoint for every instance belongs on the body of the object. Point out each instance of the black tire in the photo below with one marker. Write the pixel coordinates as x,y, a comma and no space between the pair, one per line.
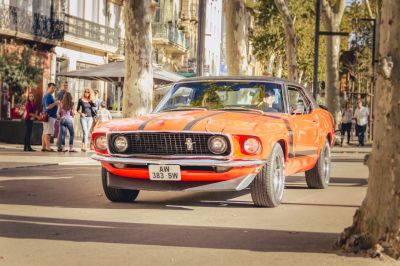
115,194
319,176
265,190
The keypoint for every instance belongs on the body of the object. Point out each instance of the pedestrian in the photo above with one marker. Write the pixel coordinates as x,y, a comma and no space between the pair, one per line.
50,106
103,114
347,119
65,114
97,99
87,111
97,102
60,96
361,115
30,114
63,90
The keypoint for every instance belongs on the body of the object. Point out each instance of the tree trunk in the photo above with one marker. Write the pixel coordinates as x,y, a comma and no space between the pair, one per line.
300,78
290,38
279,69
332,16
371,15
236,37
271,63
138,84
332,76
377,222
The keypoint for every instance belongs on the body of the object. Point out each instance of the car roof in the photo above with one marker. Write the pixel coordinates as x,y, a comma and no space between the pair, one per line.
235,78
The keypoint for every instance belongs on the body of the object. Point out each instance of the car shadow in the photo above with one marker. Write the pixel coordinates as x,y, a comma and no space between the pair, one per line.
211,237
80,187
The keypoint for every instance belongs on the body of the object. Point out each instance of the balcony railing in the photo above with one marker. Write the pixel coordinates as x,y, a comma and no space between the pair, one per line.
170,32
20,20
85,29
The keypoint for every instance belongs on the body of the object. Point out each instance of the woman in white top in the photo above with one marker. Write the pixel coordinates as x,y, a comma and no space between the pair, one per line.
347,118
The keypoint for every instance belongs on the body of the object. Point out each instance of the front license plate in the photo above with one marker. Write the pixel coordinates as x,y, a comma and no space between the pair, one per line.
165,172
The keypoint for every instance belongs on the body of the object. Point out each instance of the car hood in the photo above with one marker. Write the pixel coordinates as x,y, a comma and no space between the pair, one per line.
230,122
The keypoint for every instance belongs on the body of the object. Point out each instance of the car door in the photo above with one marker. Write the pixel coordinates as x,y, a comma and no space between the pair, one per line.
305,122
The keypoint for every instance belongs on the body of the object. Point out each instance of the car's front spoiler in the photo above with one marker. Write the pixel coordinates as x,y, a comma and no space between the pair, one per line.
182,162
235,184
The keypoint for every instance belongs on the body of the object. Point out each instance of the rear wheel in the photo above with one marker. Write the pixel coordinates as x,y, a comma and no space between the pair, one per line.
319,176
116,194
269,184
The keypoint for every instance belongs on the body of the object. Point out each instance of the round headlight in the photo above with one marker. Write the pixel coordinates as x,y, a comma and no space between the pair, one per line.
217,145
101,143
251,145
120,144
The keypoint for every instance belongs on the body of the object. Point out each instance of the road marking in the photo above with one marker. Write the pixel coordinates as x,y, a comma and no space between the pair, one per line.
34,178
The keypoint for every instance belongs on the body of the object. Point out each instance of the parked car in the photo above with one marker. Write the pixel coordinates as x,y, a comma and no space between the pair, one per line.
217,134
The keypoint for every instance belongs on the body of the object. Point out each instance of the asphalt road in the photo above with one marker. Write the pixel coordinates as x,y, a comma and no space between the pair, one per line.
58,215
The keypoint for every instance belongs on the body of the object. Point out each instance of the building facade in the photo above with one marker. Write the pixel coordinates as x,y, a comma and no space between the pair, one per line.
33,25
93,36
213,38
70,35
171,39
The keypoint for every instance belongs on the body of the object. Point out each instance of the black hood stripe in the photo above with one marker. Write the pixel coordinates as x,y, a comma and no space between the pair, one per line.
145,123
194,122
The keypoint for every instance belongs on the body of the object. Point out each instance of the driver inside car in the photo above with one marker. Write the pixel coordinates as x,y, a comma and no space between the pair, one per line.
268,100
211,100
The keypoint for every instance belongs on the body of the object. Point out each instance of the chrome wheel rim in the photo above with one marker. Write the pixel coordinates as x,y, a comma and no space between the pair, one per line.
326,164
278,177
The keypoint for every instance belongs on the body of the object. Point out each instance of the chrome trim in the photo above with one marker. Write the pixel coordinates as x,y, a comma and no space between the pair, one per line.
182,162
228,136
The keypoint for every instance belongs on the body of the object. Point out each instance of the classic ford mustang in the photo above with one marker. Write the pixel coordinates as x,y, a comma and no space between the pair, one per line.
216,134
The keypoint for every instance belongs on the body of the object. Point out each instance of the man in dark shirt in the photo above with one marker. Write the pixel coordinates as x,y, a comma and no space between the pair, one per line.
63,90
50,107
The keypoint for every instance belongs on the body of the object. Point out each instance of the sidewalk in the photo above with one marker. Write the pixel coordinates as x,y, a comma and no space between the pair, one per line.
13,156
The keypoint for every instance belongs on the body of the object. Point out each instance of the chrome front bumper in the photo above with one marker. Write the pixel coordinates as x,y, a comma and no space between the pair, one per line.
181,161
235,184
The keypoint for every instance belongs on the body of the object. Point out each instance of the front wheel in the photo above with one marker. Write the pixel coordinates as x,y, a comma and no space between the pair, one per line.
116,194
319,176
269,184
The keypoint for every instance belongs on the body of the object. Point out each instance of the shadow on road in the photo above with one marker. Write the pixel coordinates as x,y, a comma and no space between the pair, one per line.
80,187
21,227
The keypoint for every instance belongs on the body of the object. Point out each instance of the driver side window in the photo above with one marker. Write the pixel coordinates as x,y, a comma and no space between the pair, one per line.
298,104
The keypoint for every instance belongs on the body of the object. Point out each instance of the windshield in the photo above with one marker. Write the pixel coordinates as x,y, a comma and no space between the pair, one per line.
263,96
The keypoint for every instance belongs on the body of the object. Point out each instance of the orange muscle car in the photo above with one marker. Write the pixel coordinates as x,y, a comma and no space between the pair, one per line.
216,134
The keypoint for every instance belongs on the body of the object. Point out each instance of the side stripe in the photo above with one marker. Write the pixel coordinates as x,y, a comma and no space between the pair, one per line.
290,131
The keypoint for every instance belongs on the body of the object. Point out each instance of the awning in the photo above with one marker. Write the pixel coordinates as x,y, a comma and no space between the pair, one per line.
114,72
187,74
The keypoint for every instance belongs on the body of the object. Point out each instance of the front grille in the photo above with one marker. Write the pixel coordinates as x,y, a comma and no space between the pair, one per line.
165,143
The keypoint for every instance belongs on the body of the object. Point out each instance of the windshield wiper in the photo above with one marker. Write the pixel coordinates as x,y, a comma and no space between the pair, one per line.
242,109
184,109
